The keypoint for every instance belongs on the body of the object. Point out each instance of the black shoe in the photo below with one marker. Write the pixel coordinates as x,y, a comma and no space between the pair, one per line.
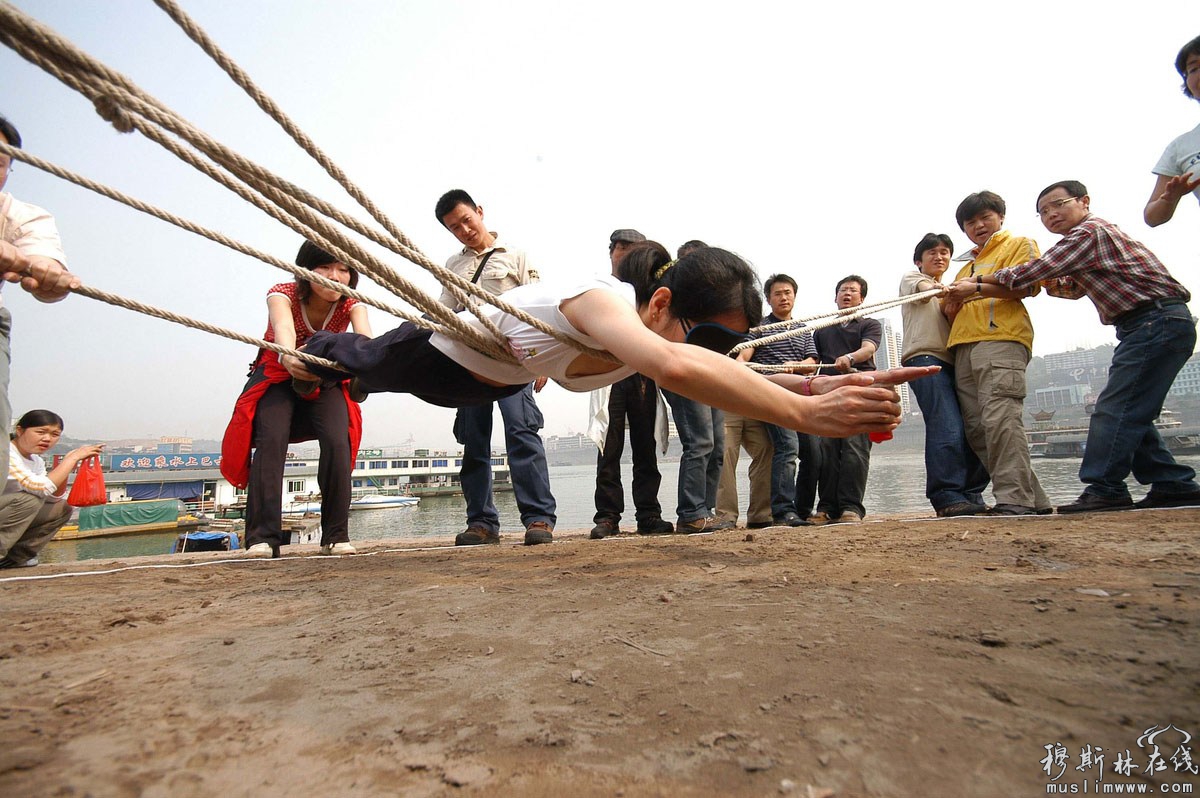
1011,509
959,509
1044,511
538,532
605,529
791,519
1155,499
1094,503
476,536
704,524
656,526
765,524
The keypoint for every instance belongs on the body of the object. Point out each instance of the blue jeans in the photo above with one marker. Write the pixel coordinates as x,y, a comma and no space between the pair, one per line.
1152,348
5,408
526,460
702,434
953,472
793,484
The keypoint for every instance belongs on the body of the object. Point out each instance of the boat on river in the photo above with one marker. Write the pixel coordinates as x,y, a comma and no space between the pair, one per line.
310,504
129,518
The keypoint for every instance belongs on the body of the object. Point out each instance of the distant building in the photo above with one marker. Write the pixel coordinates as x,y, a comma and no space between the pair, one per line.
888,357
1062,396
569,443
1188,381
174,445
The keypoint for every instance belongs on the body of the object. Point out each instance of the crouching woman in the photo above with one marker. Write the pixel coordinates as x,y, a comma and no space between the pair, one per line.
32,509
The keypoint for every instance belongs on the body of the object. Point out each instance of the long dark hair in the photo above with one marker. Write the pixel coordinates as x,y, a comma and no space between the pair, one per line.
704,283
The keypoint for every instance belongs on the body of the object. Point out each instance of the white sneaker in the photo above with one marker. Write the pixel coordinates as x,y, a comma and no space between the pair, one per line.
338,549
260,551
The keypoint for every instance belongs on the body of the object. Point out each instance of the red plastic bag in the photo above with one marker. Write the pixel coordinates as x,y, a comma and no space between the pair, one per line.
88,489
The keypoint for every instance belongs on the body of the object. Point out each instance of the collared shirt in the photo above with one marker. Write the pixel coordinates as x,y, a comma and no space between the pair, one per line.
1097,259
506,269
790,350
989,318
926,329
30,229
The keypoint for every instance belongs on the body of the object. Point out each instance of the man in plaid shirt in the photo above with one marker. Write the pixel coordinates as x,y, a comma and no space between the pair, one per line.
1132,291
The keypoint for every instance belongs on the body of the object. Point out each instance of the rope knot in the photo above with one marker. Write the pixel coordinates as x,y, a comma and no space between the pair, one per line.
111,111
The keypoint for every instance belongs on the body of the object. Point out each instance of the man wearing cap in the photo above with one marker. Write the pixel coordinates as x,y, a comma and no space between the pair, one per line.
635,397
496,267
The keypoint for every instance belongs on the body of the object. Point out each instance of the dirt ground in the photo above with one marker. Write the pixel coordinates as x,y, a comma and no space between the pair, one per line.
895,658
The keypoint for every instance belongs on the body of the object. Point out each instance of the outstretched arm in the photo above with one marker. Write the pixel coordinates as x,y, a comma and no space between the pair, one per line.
719,381
1165,197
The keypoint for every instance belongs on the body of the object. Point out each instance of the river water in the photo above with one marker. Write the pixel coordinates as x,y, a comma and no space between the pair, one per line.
896,486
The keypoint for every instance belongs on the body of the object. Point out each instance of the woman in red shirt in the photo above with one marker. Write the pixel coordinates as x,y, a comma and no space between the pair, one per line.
280,404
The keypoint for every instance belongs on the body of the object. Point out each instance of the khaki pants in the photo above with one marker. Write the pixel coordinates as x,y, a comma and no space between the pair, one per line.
27,523
747,433
990,380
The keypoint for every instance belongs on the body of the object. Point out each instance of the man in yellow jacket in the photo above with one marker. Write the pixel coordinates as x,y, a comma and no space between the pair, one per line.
991,338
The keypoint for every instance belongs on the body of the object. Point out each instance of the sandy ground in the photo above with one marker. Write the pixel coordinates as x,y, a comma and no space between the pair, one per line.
896,658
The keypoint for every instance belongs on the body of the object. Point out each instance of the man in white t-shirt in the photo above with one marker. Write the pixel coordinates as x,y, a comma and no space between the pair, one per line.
1178,169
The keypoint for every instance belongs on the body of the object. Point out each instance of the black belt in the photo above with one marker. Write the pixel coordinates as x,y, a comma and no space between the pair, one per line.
1148,305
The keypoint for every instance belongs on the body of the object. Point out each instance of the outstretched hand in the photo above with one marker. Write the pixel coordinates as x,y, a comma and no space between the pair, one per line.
850,404
1180,186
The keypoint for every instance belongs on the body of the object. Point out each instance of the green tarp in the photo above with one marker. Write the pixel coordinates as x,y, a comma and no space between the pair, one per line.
105,516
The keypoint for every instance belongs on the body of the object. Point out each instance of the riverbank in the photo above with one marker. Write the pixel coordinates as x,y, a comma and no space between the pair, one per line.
894,658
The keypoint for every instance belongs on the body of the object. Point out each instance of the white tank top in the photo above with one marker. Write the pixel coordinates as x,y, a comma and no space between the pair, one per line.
538,354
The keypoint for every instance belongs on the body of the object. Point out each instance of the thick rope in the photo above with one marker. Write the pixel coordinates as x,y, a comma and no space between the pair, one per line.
791,367
116,98
884,304
840,316
206,232
150,310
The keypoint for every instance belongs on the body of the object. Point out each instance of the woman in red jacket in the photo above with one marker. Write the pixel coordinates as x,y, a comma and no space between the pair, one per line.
281,404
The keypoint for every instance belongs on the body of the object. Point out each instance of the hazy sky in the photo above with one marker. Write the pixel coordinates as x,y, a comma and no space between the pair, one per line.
813,139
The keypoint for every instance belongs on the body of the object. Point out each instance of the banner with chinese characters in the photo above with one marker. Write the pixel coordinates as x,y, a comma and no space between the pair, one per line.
160,462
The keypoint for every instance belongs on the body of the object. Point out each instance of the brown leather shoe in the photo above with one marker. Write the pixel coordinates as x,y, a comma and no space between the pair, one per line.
476,536
538,532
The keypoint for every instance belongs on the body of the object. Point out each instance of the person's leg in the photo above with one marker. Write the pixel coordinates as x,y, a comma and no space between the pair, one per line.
17,511
727,496
642,408
610,496
852,476
1000,370
808,472
783,470
330,422
757,444
946,449
716,458
45,523
527,457
966,386
831,461
473,429
1121,434
264,493
5,407
693,422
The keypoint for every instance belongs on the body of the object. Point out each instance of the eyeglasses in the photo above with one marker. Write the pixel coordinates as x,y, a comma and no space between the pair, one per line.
712,336
1054,205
